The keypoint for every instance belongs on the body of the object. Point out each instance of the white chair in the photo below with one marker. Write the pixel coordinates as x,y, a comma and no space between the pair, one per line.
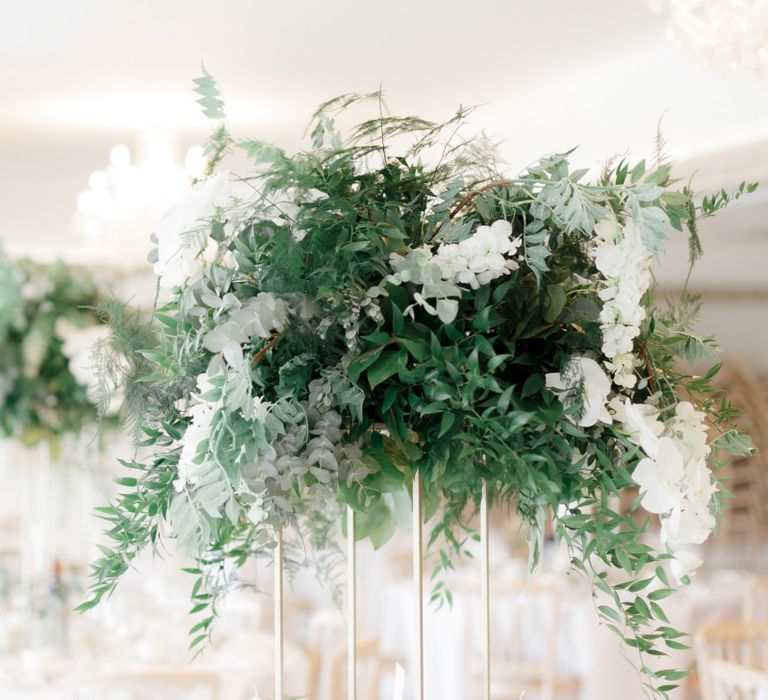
521,665
150,684
327,630
369,671
756,602
746,477
727,644
730,681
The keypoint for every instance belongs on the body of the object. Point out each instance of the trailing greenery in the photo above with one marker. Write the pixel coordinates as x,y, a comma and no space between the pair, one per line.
388,303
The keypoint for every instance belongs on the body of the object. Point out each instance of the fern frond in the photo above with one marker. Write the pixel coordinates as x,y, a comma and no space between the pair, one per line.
210,96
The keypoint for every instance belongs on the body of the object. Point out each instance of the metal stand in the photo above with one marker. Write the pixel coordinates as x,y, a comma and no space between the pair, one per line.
418,587
351,607
485,600
278,602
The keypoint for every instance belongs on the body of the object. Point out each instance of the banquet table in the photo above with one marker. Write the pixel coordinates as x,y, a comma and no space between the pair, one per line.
242,658
243,667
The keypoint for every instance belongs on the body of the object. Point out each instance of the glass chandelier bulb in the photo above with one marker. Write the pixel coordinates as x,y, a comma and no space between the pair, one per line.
730,33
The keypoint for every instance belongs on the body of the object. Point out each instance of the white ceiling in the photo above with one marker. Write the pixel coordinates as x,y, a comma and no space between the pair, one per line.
78,77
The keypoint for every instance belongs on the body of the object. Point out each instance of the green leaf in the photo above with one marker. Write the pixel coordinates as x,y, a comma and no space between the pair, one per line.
417,348
533,385
447,309
609,612
384,367
210,97
660,176
446,422
660,593
736,443
694,350
261,151
554,302
652,222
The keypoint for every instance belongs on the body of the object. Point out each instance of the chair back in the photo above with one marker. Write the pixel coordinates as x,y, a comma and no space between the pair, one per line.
756,602
369,671
151,684
730,681
737,643
524,647
746,478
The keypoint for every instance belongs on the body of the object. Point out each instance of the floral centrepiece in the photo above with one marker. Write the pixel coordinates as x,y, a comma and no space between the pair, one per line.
346,316
48,324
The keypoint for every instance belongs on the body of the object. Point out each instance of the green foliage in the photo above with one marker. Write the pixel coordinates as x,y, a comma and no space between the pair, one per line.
323,356
118,362
210,96
43,307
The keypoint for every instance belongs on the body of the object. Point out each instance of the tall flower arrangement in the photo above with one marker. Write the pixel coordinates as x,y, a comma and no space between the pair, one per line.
345,316
48,323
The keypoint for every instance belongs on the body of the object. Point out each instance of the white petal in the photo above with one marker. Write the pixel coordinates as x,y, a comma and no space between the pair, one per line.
669,460
684,564
554,380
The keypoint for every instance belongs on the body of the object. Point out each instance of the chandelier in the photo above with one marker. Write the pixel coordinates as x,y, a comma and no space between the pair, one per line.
729,33
125,199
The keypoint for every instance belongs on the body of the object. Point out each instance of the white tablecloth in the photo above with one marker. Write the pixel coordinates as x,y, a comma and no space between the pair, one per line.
242,667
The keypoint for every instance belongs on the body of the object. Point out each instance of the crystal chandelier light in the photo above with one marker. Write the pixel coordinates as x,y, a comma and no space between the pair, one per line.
124,200
729,33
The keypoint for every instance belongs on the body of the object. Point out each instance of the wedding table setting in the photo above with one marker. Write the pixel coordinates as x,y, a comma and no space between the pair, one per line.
522,610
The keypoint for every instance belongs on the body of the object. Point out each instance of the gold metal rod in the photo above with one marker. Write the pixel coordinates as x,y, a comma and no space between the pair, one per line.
485,598
418,587
278,602
351,607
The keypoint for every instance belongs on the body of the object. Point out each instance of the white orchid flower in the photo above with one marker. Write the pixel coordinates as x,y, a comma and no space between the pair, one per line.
584,373
690,431
641,423
659,478
684,564
700,486
686,525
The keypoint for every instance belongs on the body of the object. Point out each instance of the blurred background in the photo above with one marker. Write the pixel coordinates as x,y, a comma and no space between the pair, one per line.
99,133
